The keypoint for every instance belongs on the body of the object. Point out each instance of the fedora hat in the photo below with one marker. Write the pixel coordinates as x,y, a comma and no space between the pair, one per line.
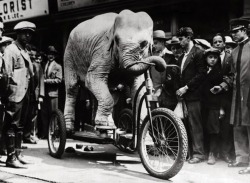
159,34
25,25
174,41
52,49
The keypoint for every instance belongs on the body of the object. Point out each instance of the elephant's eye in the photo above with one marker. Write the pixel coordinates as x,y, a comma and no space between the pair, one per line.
116,40
143,44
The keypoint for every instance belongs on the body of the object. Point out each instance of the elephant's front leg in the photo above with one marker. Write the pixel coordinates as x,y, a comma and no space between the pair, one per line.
97,84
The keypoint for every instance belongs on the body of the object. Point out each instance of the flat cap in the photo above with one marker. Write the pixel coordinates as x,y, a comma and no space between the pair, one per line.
25,25
239,23
212,50
5,39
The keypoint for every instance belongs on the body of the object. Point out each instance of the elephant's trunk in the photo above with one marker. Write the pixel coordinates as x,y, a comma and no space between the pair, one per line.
138,68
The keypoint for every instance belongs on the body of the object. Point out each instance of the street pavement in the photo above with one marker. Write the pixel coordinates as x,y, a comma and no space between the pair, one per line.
107,164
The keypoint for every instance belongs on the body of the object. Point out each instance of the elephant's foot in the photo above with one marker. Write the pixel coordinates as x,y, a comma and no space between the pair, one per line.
70,127
105,122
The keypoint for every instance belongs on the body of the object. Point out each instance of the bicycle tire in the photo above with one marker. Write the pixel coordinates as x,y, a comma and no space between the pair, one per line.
164,141
125,123
57,130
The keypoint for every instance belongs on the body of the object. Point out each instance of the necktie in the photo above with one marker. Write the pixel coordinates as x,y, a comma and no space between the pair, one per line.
47,71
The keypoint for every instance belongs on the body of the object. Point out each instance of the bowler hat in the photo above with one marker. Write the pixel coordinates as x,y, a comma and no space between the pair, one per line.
25,25
173,42
159,34
5,39
52,49
212,50
239,23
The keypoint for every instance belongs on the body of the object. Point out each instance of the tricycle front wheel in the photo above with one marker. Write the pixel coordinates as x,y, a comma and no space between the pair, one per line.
56,134
163,145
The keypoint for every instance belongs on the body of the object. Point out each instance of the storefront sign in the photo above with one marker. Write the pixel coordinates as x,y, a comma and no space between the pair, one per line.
72,4
12,10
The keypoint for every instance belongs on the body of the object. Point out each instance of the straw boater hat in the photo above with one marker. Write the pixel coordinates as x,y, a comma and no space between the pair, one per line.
204,43
159,34
229,41
25,25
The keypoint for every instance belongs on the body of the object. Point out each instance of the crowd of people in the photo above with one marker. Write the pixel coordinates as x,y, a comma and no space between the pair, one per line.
212,83
210,79
29,86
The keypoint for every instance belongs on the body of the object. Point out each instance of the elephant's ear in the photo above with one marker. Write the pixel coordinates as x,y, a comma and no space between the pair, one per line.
110,37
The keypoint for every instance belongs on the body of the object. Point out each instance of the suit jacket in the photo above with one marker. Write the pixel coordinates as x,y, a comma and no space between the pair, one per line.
193,73
244,86
20,70
53,78
227,89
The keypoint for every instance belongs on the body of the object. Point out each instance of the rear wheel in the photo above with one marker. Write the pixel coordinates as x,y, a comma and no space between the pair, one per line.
57,134
163,147
125,123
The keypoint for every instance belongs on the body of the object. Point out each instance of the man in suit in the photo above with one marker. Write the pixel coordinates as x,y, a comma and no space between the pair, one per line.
240,80
52,81
226,130
20,70
36,97
193,71
164,82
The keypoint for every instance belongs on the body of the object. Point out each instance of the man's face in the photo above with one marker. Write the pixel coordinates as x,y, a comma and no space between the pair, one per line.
24,36
184,41
32,54
218,43
228,48
158,45
176,50
238,35
51,57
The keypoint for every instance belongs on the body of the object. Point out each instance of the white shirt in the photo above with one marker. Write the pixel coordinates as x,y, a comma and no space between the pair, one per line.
191,44
222,56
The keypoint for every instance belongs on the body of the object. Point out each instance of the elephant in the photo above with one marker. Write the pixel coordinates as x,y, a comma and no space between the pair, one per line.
99,45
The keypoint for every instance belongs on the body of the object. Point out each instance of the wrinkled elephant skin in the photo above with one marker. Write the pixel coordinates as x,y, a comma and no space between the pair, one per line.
99,45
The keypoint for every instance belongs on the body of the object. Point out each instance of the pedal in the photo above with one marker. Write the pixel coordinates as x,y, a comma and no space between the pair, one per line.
105,127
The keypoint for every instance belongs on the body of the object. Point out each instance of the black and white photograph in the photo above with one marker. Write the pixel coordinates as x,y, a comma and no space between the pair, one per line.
125,91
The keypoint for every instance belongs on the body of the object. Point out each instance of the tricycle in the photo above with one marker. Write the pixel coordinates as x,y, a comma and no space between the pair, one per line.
161,138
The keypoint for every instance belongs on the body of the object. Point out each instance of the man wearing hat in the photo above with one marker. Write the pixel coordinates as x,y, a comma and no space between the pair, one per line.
230,44
226,131
52,81
240,109
20,70
164,82
193,72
